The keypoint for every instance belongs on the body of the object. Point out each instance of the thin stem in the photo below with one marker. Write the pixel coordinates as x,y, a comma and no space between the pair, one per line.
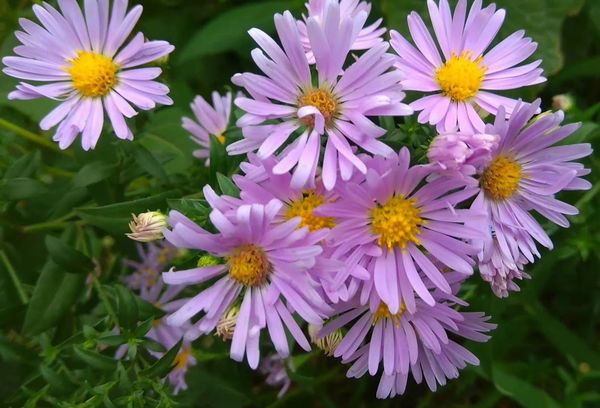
102,295
59,223
14,277
33,137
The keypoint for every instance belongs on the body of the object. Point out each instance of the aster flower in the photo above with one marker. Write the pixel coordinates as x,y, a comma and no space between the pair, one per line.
146,280
274,367
284,104
209,120
406,342
525,173
464,77
460,154
89,70
367,38
386,224
265,267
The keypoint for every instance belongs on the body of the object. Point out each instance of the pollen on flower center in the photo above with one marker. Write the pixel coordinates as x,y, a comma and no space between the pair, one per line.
249,265
461,76
93,74
321,99
501,178
304,208
183,357
383,312
397,222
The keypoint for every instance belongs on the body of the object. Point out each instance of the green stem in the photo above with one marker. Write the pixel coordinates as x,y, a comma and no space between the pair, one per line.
14,277
59,223
33,137
102,295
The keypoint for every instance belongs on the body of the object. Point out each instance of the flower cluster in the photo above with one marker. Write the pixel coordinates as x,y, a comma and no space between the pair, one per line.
333,229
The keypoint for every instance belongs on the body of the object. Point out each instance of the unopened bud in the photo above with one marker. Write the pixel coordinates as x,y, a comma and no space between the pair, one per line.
148,226
328,343
564,102
207,260
226,326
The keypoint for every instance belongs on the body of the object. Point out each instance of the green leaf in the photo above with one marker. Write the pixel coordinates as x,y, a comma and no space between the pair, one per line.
25,166
95,359
93,173
196,210
68,258
21,188
541,19
163,366
521,391
227,186
226,31
115,218
127,310
149,163
54,294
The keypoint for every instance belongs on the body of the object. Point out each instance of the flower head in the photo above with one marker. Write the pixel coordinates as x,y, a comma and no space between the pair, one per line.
367,38
274,367
154,259
465,73
524,173
89,70
148,226
302,112
265,267
390,225
456,153
209,121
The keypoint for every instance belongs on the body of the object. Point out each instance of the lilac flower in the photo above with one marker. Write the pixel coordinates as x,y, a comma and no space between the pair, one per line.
337,106
89,69
406,342
274,367
367,38
265,267
146,280
210,120
460,154
386,224
525,173
463,76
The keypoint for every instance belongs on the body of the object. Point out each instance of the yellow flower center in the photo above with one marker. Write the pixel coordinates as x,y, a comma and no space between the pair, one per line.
461,76
93,74
183,357
304,208
249,265
321,99
383,312
221,138
397,222
501,178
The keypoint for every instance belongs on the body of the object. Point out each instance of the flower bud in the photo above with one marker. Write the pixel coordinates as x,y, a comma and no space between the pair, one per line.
226,326
328,343
448,151
207,260
563,102
148,226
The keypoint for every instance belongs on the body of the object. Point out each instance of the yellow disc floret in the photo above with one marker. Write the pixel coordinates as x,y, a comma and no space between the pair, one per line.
304,208
249,265
321,99
182,359
501,178
93,74
460,78
383,312
397,222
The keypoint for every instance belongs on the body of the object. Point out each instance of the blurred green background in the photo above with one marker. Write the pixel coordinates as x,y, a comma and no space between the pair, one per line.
546,350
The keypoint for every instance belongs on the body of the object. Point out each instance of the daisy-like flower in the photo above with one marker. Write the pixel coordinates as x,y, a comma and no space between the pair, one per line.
419,342
367,38
460,154
274,367
146,280
82,55
337,106
465,76
386,224
524,174
210,120
265,266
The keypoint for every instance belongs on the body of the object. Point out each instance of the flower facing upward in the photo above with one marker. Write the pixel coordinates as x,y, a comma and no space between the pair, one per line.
525,172
336,105
265,266
367,38
463,76
89,69
386,224
210,120
147,227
